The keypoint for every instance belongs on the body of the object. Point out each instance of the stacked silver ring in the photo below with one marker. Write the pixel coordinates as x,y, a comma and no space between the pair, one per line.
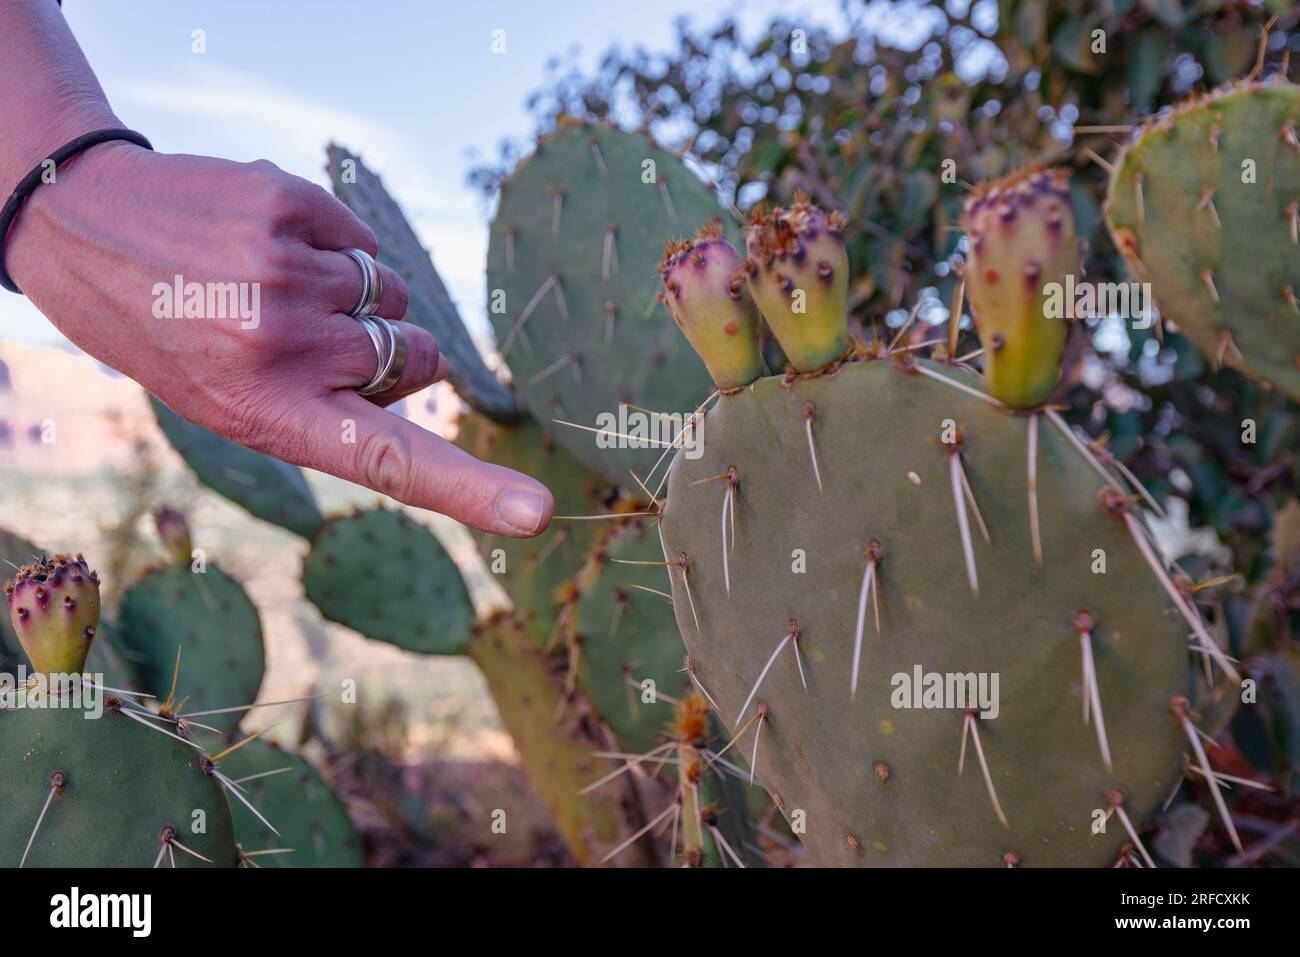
386,336
372,283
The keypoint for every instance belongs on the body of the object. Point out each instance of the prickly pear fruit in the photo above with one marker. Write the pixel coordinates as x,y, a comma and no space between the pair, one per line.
705,292
1021,235
175,534
54,608
798,274
1205,206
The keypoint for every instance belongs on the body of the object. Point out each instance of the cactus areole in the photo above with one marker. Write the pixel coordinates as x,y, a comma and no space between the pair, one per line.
54,609
949,674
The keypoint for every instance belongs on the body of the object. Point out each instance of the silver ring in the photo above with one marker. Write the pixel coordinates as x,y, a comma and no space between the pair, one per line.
390,361
372,283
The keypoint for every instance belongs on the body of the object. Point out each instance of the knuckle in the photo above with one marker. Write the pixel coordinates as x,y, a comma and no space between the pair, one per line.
386,464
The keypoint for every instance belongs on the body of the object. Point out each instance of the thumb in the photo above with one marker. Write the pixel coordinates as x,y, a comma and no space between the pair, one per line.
417,467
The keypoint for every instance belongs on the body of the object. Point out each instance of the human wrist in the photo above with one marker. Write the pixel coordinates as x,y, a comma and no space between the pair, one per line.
60,219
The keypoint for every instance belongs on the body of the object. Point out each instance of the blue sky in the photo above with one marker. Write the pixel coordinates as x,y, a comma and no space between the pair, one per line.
411,84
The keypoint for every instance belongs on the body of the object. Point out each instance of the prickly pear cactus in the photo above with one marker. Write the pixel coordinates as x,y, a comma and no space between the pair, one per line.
1205,206
89,779
572,288
629,652
174,533
945,620
313,825
539,573
272,490
798,273
704,289
54,611
387,577
1021,241
795,578
210,619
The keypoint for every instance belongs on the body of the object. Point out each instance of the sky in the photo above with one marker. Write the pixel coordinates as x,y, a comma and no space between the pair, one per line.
412,85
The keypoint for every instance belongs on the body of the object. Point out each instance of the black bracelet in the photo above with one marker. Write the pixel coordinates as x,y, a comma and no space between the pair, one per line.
34,179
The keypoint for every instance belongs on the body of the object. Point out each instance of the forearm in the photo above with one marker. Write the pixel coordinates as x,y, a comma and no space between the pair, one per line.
48,93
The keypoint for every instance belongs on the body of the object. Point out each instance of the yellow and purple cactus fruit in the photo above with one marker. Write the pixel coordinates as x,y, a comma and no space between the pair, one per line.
705,293
54,607
175,534
1021,235
798,274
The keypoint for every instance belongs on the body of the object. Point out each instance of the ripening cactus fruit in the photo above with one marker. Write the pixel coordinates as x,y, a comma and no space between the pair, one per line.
1204,205
54,610
704,288
1021,240
946,621
798,273
174,532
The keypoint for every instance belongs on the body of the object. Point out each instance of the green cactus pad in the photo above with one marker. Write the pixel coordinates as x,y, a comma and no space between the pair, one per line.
1221,254
383,575
535,571
272,490
627,633
209,616
292,795
878,785
123,784
574,248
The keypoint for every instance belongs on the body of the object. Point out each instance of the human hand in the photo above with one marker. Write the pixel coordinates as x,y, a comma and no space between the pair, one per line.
97,250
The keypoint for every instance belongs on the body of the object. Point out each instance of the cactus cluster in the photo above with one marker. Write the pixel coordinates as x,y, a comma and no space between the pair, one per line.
833,595
932,617
96,775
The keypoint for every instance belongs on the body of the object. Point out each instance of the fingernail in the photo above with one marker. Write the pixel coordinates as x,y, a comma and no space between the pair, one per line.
522,511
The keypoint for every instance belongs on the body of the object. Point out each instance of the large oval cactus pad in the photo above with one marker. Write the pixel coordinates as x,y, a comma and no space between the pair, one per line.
879,784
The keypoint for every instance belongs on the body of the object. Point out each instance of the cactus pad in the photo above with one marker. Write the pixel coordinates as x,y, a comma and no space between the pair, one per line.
120,785
573,251
209,616
878,784
1205,205
628,634
382,574
272,490
292,795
